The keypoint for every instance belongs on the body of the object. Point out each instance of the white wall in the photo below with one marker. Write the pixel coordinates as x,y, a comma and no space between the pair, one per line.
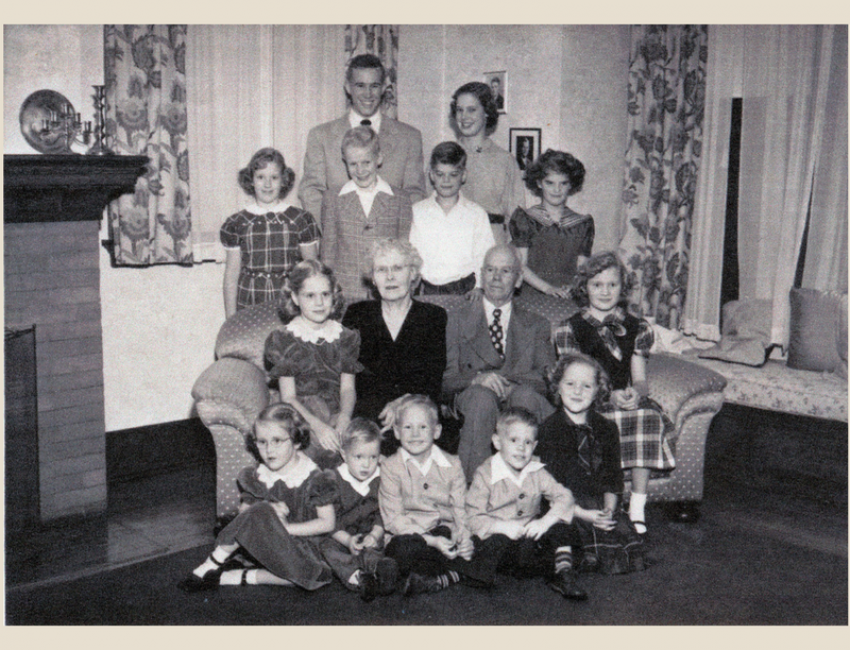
570,81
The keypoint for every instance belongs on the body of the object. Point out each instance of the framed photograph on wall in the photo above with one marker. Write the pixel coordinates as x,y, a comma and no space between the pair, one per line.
525,146
498,82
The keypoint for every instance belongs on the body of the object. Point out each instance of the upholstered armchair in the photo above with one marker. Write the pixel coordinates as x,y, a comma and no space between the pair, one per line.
234,389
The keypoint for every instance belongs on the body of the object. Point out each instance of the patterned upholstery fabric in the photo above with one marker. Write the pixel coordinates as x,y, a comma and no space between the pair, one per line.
233,390
243,335
776,387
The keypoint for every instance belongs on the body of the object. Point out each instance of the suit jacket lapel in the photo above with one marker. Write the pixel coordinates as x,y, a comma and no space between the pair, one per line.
477,334
351,205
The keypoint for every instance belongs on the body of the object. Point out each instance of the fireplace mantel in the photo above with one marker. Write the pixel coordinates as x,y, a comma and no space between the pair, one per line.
38,188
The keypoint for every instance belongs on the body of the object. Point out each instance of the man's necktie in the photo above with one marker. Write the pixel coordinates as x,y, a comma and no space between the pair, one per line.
497,334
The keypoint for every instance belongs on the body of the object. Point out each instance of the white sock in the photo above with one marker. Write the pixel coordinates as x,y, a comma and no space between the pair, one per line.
233,578
355,578
637,502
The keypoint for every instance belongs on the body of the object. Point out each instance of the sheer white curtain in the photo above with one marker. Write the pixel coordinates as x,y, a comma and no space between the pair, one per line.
723,82
786,73
826,245
253,86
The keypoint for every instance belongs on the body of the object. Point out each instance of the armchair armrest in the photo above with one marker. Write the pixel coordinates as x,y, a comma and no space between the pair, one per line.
673,381
231,391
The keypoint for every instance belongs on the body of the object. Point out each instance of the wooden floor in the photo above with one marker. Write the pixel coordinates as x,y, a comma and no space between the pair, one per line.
146,518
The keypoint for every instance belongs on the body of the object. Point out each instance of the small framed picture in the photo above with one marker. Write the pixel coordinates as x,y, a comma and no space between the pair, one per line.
498,82
525,146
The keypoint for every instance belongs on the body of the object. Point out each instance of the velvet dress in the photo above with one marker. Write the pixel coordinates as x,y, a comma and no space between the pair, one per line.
316,360
260,532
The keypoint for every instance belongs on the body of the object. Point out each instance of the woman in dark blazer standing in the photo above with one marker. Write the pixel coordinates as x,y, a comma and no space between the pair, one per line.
402,341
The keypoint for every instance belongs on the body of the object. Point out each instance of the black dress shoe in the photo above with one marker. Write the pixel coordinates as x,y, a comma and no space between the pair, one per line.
192,583
419,584
565,584
368,587
386,573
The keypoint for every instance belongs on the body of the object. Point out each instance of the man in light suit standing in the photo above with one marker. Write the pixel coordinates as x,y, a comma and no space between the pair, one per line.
401,144
497,356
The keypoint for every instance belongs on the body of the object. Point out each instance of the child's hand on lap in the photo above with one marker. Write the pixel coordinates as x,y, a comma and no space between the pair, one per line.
355,544
369,541
465,548
327,437
602,519
446,546
625,399
537,527
281,510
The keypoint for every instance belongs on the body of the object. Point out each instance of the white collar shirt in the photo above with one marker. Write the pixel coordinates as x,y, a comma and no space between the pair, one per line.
501,471
361,487
452,245
367,197
435,457
355,119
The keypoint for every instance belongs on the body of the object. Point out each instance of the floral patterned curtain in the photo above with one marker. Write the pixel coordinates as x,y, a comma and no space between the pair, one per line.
145,77
382,41
667,70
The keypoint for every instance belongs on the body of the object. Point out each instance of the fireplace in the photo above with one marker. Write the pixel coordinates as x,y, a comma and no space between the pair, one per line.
52,211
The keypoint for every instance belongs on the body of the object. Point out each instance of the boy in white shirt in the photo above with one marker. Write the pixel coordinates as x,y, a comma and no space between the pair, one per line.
451,233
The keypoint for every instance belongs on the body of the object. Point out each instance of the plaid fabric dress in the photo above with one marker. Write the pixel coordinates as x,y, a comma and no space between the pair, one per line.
644,431
585,458
269,248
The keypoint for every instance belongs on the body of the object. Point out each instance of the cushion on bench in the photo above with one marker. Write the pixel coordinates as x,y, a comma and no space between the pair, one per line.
776,387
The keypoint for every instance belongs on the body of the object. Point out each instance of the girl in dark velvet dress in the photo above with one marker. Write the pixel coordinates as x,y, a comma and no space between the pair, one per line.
285,503
402,341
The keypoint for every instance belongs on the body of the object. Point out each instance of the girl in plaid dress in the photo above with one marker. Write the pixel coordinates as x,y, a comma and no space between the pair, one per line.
581,449
266,239
620,342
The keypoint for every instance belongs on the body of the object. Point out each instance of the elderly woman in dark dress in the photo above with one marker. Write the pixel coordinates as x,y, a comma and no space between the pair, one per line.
402,341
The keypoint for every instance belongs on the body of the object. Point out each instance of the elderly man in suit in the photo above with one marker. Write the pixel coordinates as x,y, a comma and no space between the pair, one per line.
497,355
401,144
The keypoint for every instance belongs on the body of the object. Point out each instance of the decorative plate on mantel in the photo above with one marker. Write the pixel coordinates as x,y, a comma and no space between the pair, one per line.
44,119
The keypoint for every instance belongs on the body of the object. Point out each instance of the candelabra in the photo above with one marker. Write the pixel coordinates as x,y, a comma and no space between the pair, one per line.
63,127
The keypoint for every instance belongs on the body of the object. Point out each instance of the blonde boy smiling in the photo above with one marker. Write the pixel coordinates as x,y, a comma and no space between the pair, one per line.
422,501
504,503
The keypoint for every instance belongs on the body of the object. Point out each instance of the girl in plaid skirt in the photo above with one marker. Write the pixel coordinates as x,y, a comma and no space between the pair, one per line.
620,342
581,450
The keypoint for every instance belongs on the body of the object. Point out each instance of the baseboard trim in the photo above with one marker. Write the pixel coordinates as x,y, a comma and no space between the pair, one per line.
146,451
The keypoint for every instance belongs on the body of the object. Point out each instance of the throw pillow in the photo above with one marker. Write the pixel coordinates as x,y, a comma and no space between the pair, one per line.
750,352
814,329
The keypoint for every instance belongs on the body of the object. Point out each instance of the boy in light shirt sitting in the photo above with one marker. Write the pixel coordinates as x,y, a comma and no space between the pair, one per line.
422,496
503,508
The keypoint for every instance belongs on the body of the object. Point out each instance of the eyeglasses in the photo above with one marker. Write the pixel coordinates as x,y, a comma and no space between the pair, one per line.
395,268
